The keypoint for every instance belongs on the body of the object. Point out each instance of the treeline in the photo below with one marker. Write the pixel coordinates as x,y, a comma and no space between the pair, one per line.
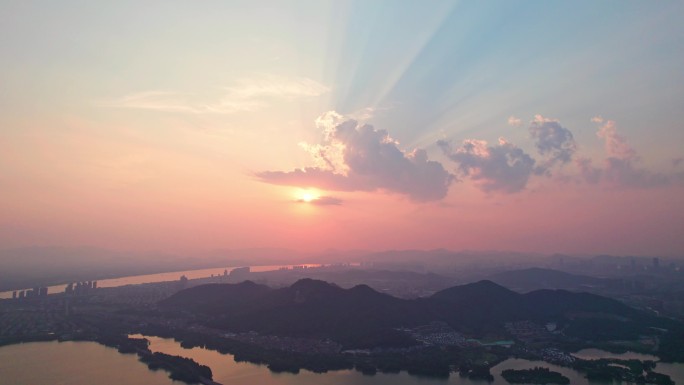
431,362
670,349
536,375
635,371
179,368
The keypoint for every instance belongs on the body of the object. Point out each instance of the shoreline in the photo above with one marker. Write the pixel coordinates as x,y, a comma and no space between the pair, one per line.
125,344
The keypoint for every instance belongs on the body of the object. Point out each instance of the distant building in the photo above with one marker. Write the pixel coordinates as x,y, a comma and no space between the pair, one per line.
43,292
94,284
14,294
239,274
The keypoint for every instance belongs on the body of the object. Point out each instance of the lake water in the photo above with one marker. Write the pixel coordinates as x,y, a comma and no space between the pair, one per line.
86,363
73,363
162,277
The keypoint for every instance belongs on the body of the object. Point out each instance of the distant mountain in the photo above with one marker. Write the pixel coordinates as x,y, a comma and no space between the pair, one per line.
481,306
363,317
562,303
216,299
474,293
538,278
441,258
359,316
403,284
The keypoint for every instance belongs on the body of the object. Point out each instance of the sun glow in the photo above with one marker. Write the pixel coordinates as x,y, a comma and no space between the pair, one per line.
307,196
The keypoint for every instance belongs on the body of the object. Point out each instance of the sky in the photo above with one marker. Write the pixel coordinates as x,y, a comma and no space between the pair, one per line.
181,126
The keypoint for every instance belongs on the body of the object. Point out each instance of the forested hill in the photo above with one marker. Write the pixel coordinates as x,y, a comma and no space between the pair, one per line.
363,317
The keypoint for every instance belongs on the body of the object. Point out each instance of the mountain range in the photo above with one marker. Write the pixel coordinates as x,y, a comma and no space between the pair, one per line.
362,317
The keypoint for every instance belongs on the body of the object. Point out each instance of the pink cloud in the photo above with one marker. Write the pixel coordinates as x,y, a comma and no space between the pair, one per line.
359,157
621,165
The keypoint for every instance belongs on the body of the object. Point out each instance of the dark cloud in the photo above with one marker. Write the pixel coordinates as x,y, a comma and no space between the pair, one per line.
589,173
311,177
503,168
622,172
356,157
323,201
553,141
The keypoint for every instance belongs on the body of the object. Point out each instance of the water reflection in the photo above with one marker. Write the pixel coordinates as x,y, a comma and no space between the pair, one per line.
674,370
74,363
85,363
227,371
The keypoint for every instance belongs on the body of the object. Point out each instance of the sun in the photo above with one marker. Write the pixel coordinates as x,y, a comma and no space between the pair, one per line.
306,196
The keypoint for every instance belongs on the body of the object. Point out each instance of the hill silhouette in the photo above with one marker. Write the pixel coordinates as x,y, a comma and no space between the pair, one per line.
539,278
363,317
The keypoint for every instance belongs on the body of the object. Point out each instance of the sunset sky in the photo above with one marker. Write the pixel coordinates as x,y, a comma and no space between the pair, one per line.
182,126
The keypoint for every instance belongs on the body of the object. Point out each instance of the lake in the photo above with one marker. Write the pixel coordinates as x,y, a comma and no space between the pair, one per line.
81,363
73,363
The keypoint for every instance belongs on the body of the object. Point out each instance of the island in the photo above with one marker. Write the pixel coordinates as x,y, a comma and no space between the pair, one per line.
536,375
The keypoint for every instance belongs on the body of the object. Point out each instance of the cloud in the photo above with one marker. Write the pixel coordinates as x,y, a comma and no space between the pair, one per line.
155,100
616,146
359,157
246,94
501,168
589,173
553,141
322,201
621,165
515,122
